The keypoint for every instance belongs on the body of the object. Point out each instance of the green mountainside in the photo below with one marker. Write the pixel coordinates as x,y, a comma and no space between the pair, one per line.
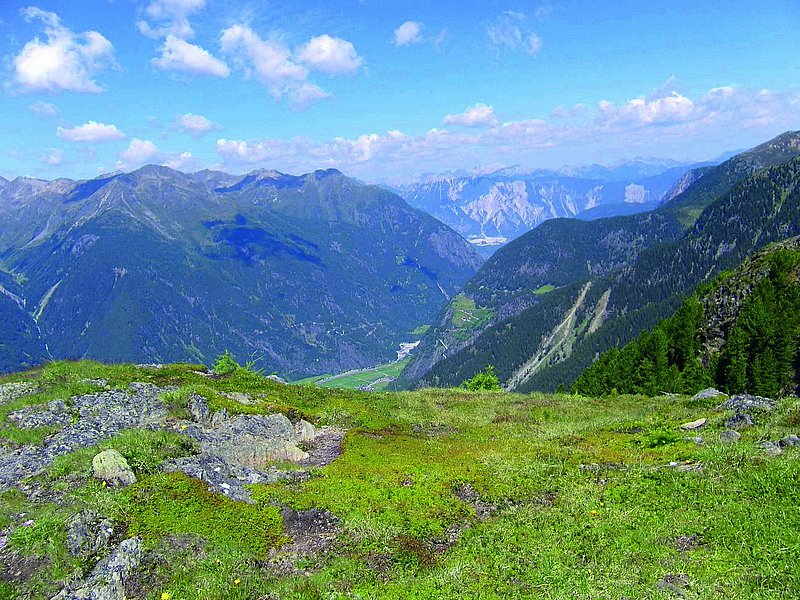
613,278
304,275
741,334
171,482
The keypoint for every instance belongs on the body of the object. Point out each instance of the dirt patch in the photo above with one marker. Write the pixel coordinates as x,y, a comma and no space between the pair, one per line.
313,534
325,448
433,429
688,543
466,493
15,567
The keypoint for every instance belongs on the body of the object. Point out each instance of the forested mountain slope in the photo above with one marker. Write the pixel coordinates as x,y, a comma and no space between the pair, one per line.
741,333
305,275
554,299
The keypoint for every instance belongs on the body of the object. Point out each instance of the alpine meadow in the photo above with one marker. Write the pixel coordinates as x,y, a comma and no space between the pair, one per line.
399,300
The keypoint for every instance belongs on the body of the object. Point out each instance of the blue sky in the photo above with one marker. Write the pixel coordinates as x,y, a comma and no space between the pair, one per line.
386,90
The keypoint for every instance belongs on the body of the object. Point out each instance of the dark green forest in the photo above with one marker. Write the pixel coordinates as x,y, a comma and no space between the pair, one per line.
760,346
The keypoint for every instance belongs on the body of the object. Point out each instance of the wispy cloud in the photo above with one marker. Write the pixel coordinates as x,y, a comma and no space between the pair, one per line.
512,31
44,110
179,55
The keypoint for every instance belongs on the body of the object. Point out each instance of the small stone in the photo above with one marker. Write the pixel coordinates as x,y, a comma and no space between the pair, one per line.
219,417
110,466
239,397
692,425
730,437
198,408
306,432
708,393
771,448
698,439
790,440
740,421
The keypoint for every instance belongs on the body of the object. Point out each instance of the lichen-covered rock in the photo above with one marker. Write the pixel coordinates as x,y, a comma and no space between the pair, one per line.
239,397
110,466
107,581
746,403
771,448
83,421
789,441
305,431
88,534
254,441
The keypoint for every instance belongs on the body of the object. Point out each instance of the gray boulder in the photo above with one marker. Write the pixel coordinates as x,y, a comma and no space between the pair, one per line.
255,440
789,441
305,431
88,534
730,437
771,448
740,421
746,403
110,466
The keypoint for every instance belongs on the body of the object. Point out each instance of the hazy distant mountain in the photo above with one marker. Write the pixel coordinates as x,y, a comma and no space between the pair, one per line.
499,206
306,274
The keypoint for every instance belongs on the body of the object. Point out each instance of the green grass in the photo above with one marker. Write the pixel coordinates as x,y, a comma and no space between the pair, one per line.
421,330
354,381
545,289
467,316
577,496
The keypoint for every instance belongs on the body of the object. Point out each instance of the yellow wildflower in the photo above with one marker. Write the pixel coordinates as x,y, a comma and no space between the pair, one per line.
166,596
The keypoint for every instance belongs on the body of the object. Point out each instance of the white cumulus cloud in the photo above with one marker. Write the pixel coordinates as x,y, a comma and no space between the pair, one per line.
179,55
141,152
665,110
477,115
65,61
92,132
194,125
408,33
286,74
330,55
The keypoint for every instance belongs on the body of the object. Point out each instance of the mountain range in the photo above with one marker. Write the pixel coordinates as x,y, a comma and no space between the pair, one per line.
490,209
545,306
302,274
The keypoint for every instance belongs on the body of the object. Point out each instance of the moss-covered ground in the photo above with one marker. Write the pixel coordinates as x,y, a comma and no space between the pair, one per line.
441,494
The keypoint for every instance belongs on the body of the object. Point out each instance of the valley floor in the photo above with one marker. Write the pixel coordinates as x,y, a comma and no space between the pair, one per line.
430,494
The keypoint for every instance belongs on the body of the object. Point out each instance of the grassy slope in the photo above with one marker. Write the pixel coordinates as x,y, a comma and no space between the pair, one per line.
559,530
